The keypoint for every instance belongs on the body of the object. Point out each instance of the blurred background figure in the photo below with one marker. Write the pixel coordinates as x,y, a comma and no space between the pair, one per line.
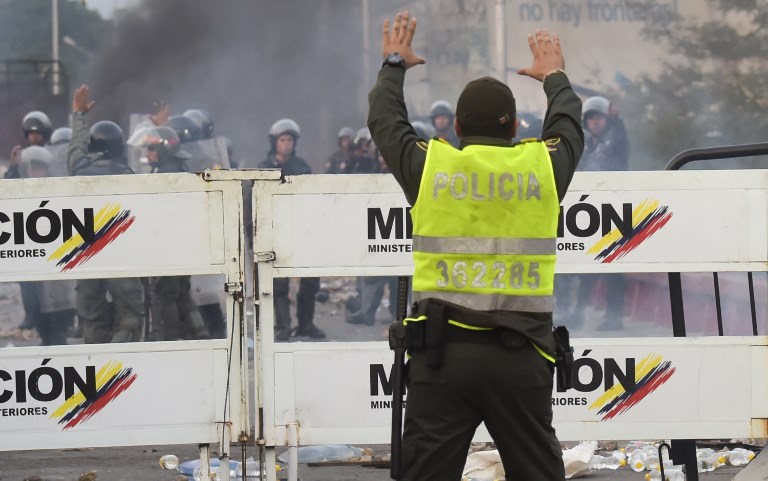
362,160
59,144
424,130
606,148
55,300
528,126
441,114
162,148
208,151
37,129
283,137
337,163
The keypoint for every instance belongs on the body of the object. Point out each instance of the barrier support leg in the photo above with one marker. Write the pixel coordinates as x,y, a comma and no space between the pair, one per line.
205,461
684,452
293,450
270,460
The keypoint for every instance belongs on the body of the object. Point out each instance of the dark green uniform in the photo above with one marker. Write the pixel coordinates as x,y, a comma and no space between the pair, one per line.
508,386
123,318
174,313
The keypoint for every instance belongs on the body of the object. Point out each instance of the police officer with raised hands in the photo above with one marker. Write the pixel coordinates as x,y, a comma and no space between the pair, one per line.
484,236
101,151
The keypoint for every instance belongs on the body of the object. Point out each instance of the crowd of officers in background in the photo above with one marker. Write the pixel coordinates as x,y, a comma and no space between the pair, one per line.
184,307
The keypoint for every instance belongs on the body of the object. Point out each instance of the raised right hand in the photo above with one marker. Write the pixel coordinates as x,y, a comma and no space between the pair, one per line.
80,103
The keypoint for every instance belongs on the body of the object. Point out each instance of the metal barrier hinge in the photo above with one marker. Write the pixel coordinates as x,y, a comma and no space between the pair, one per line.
268,256
235,289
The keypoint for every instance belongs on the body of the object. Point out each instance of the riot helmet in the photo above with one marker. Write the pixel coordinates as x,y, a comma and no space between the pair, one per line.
185,127
37,121
283,127
441,107
62,135
528,126
35,162
362,138
203,120
160,139
106,139
346,132
594,105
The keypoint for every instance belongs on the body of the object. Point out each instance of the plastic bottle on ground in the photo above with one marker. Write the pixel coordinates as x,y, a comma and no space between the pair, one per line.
672,473
739,457
169,461
619,456
603,462
636,461
708,460
633,446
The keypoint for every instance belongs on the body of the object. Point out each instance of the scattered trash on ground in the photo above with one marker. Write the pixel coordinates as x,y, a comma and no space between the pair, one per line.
191,470
586,458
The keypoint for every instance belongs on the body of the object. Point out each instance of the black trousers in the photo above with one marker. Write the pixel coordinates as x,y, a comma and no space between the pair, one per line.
508,389
305,301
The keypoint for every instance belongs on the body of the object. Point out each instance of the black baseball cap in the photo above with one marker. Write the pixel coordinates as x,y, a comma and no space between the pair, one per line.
486,107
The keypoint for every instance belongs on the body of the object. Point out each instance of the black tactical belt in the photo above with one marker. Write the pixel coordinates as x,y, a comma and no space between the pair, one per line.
505,337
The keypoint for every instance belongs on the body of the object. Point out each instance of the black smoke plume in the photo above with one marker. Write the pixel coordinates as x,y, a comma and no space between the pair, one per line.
248,62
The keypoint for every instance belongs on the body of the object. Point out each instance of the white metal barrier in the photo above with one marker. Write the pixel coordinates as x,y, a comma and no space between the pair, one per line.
704,221
184,392
311,226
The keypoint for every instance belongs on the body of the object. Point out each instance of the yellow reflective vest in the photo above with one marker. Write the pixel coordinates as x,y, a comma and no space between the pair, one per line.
485,227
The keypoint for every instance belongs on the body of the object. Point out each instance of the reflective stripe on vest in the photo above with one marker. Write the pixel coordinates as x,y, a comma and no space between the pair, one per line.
485,227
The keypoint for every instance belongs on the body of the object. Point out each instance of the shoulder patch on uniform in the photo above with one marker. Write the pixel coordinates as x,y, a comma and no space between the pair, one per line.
422,144
551,143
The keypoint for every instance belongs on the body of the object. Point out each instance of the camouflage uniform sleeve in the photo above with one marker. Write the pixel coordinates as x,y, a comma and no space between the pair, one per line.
403,151
78,146
562,130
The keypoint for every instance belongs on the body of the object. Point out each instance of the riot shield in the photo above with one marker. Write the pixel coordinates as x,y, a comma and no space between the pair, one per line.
56,295
58,166
207,154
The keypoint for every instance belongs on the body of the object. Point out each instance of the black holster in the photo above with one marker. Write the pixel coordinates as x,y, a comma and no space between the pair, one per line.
429,336
563,358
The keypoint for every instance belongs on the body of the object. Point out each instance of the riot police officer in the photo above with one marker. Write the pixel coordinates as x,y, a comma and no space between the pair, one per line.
441,114
174,314
283,137
59,145
203,120
361,160
337,163
163,149
55,299
37,131
101,151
